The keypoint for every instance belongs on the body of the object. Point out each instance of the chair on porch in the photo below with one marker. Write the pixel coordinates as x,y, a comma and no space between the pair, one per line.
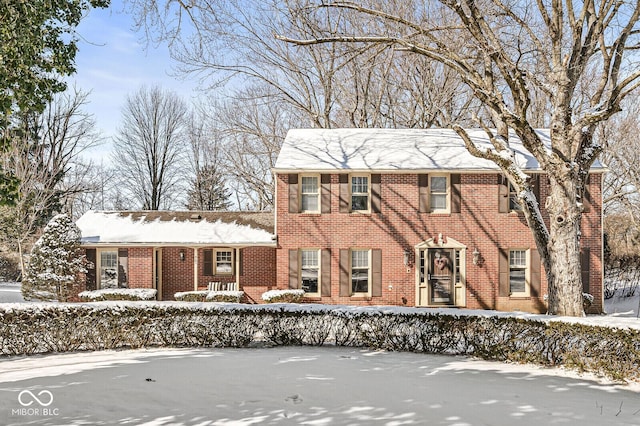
220,286
214,286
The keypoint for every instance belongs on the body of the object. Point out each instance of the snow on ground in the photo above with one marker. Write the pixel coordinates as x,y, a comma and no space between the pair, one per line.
300,385
307,385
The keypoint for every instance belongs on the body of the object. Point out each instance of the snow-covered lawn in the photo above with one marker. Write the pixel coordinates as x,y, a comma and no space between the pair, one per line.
300,385
309,385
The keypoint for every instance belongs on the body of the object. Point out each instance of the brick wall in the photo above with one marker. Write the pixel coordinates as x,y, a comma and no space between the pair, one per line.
401,227
258,271
140,268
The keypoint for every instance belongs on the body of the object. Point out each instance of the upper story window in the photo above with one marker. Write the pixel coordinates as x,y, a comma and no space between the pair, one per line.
310,194
360,194
518,273
514,205
439,193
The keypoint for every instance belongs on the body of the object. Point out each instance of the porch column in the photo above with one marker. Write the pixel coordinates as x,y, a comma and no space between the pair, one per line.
237,268
195,269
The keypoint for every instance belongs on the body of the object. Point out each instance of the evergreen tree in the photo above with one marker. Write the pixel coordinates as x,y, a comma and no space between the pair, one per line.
208,191
56,262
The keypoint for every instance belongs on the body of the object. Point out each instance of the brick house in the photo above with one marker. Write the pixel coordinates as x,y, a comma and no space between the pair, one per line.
180,251
362,217
409,217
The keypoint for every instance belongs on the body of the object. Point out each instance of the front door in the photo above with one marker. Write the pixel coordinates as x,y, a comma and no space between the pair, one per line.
436,285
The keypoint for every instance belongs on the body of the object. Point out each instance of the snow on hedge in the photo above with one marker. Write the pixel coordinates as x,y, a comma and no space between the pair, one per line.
272,296
342,310
116,293
225,293
209,296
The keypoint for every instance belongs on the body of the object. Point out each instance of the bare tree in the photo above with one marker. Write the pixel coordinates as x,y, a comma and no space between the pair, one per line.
44,152
149,148
253,127
99,188
232,44
578,57
207,190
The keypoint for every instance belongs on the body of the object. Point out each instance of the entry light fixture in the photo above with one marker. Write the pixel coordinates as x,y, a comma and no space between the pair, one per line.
406,257
182,254
476,256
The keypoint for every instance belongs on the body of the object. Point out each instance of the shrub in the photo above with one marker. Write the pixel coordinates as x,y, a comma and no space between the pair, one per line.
225,296
191,296
283,296
209,296
56,262
118,294
40,328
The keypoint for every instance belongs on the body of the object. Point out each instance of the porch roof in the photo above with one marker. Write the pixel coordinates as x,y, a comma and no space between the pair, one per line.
177,228
395,150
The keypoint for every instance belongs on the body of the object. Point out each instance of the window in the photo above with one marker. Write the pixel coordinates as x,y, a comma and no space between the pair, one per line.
360,272
217,262
310,194
112,269
439,193
359,193
310,271
514,205
518,273
109,269
224,262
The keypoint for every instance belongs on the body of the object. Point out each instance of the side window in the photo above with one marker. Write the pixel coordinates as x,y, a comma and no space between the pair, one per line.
310,271
518,273
310,194
360,195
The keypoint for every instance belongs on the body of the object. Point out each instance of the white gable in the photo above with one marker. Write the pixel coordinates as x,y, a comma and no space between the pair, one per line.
104,228
390,150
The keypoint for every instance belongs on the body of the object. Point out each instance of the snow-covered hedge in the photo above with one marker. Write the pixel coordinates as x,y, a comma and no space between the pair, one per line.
283,296
118,294
40,328
209,296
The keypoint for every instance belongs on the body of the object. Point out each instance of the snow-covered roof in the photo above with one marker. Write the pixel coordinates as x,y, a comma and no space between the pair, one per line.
393,150
170,228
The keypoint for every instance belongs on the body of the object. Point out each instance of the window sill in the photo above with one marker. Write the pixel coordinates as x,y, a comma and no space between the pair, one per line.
312,298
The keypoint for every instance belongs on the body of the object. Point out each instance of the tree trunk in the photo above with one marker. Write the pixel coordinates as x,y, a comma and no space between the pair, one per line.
563,268
21,254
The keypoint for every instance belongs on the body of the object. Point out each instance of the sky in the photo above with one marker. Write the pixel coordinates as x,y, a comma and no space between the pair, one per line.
113,61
